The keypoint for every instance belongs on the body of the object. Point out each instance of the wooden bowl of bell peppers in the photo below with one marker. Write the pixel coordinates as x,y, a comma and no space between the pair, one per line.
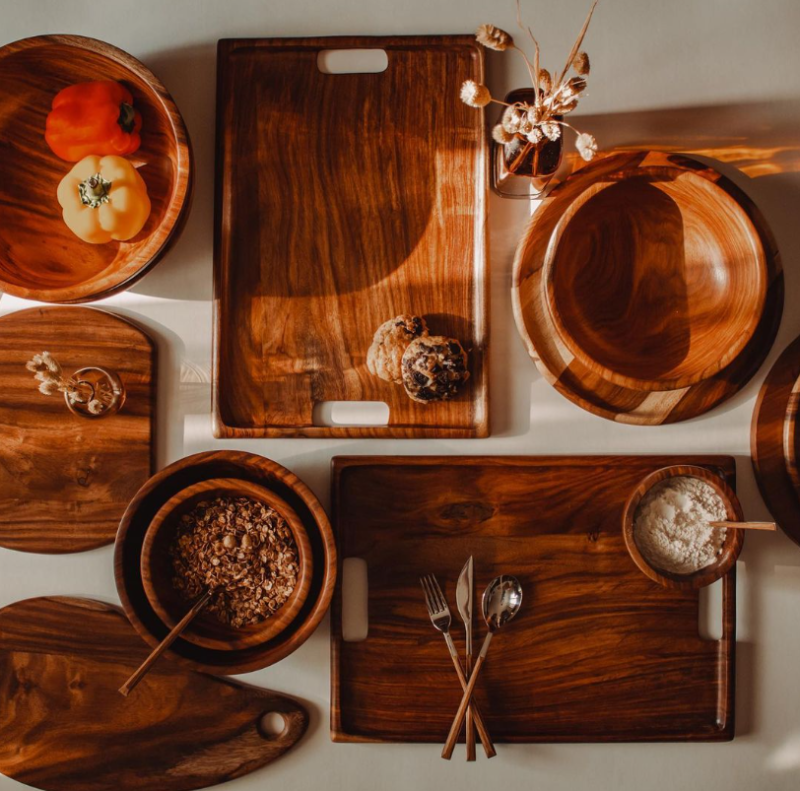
80,116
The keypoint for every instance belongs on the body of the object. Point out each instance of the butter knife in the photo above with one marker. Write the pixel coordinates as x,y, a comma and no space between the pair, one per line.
464,596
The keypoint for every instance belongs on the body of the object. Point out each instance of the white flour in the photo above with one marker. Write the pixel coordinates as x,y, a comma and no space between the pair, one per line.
671,525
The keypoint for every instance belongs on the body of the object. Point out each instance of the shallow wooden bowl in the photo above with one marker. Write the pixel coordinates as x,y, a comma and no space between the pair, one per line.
157,573
177,477
40,258
655,277
734,539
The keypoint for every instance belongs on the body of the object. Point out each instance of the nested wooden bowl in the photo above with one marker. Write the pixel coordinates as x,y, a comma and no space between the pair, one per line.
731,548
157,572
40,258
179,476
655,277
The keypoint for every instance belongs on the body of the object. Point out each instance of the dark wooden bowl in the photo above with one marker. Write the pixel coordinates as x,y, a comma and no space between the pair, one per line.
182,474
655,277
40,258
734,539
775,440
157,573
791,437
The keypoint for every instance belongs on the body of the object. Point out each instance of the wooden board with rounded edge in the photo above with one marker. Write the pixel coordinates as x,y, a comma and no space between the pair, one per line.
773,440
64,726
565,371
65,480
40,258
224,464
344,200
597,653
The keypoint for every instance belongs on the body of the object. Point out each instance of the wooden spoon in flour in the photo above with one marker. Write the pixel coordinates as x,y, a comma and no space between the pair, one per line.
745,525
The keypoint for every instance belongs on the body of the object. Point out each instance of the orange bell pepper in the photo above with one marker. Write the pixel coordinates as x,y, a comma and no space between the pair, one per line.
93,118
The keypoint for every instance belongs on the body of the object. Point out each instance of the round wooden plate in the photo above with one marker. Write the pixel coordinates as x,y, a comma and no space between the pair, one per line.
575,380
40,258
773,441
224,464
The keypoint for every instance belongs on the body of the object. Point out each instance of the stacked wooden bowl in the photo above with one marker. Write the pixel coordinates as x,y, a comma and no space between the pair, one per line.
246,655
647,288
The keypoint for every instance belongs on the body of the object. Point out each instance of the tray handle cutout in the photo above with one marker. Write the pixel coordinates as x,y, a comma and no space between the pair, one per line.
351,413
709,622
355,600
352,61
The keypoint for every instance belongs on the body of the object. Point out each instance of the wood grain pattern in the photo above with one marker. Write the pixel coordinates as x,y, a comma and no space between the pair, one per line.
731,547
344,200
568,374
157,572
40,258
63,727
600,652
773,439
224,464
655,278
66,480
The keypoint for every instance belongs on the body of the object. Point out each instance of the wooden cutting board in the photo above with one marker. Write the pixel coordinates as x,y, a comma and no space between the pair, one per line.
344,200
65,480
65,727
598,652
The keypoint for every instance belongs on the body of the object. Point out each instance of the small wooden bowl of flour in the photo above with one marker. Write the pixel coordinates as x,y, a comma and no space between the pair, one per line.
666,528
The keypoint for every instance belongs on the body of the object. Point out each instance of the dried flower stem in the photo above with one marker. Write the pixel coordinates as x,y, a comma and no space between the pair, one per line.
577,45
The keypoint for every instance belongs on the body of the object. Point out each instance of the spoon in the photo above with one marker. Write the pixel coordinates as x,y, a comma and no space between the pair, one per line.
744,525
501,601
144,668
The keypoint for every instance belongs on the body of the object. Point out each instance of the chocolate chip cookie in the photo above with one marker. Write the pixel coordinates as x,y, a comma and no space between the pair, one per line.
384,358
434,368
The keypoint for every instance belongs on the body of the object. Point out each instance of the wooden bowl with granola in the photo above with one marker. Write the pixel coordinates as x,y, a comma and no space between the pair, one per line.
238,539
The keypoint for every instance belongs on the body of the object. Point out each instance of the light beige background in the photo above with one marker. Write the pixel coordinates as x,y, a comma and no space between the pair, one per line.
722,78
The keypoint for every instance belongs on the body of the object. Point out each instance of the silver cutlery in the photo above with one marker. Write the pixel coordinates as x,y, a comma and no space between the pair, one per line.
440,618
464,594
501,602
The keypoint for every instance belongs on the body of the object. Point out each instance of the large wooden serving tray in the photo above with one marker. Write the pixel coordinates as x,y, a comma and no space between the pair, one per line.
65,727
598,651
344,200
65,480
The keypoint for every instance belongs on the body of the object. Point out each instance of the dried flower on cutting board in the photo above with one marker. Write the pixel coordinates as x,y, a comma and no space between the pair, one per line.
556,94
430,367
97,395
240,549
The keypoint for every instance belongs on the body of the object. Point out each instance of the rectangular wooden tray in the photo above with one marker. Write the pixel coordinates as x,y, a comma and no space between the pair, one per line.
598,652
344,200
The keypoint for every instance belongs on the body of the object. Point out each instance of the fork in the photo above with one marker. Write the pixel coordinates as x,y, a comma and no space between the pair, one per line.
440,618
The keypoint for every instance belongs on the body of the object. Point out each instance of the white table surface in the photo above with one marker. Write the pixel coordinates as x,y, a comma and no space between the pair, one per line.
722,77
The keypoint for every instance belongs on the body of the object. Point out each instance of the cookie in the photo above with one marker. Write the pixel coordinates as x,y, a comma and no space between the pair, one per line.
434,368
385,356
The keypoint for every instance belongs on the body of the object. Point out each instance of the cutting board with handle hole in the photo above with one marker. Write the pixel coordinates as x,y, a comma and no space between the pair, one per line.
597,653
344,200
65,727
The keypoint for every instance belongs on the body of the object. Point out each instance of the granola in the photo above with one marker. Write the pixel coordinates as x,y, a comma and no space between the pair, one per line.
241,549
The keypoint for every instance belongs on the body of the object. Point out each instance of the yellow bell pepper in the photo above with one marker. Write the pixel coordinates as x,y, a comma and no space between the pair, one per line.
104,198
